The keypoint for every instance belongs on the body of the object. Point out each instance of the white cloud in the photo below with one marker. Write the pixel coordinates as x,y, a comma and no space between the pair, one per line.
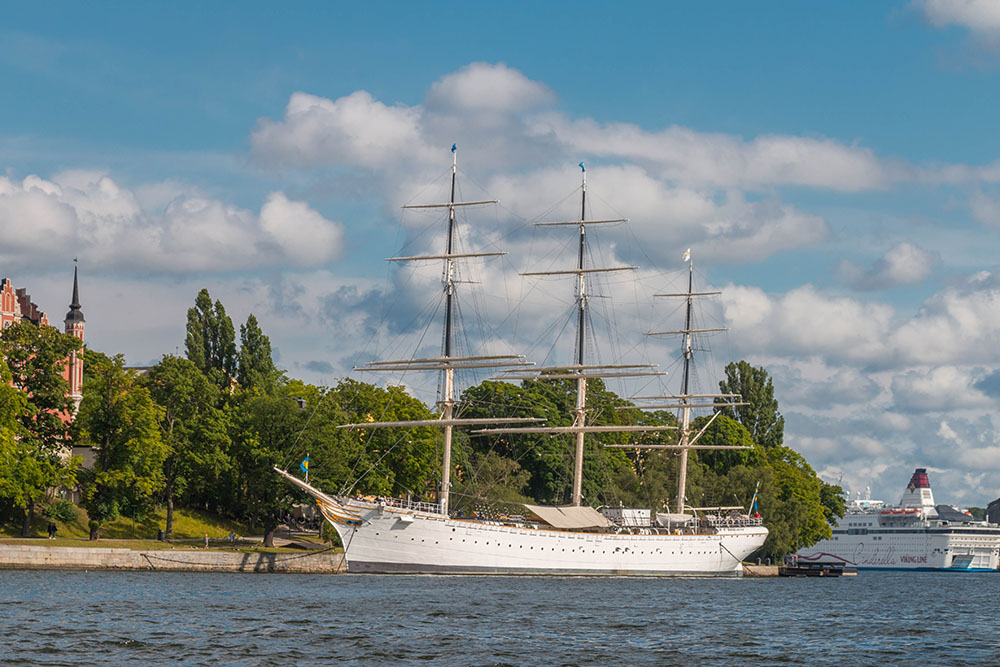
981,17
826,388
89,215
307,238
960,324
805,322
353,130
985,209
487,88
940,389
721,160
724,229
746,232
472,105
903,264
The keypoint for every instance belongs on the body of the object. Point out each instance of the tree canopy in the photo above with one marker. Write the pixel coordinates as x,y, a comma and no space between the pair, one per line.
760,416
36,396
211,339
118,417
257,371
193,429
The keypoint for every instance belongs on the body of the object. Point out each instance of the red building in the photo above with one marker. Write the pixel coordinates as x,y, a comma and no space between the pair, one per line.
16,305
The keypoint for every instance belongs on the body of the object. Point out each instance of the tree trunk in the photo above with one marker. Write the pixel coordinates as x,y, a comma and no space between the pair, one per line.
270,525
29,513
95,532
170,510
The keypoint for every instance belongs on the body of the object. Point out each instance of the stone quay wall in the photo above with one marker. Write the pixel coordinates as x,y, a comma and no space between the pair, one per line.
29,557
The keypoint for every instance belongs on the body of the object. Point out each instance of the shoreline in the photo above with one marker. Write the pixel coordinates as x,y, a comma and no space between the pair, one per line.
43,557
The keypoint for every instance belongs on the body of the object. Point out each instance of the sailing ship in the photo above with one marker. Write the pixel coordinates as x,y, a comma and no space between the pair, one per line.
916,534
404,536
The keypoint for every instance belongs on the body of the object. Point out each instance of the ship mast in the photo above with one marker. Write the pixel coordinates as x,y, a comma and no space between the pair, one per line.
580,414
448,362
685,381
447,402
580,371
686,442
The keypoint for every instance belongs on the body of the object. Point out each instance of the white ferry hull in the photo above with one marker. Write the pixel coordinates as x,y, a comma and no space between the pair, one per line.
956,549
392,540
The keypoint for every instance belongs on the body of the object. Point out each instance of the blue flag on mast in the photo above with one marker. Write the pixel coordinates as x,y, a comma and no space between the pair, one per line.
304,466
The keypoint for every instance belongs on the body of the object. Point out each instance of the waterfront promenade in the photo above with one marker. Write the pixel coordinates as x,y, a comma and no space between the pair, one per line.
26,555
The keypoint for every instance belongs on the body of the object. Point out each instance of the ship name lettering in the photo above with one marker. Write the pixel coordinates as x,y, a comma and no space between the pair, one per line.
913,559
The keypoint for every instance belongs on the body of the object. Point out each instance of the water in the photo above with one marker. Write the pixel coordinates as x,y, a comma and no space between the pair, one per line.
136,617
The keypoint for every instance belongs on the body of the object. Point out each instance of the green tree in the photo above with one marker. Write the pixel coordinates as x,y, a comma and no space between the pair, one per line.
796,511
36,357
211,339
13,403
225,345
610,475
193,429
725,431
119,418
200,331
25,472
760,416
62,511
257,371
834,503
389,461
490,480
547,459
264,431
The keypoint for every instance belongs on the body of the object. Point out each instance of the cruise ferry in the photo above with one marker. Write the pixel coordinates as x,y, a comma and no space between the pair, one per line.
917,534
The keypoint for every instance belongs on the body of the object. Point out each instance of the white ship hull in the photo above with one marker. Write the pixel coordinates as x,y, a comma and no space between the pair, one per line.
954,548
382,538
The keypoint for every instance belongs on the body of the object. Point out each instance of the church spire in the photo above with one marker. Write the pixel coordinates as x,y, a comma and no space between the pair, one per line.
75,314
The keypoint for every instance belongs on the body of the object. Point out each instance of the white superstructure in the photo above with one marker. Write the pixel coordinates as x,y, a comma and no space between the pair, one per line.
914,535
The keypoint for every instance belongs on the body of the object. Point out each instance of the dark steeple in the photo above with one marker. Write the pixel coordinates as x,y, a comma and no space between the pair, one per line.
75,314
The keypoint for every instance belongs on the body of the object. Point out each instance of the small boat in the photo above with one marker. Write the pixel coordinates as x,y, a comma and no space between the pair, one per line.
817,570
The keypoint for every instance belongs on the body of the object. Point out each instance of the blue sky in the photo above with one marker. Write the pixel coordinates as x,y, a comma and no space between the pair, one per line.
834,166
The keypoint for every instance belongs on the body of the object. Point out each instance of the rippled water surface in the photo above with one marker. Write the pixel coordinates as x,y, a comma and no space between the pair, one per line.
137,617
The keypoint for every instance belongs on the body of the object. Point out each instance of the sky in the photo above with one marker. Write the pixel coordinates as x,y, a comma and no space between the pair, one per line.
834,168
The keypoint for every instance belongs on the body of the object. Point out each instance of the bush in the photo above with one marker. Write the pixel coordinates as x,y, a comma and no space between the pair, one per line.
61,510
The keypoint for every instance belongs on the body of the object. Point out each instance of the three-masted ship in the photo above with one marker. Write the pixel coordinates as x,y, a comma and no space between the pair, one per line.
403,536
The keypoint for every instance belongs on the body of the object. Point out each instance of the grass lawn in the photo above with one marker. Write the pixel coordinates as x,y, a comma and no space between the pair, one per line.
188,524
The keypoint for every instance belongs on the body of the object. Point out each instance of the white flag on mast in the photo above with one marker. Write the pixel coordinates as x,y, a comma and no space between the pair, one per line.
687,255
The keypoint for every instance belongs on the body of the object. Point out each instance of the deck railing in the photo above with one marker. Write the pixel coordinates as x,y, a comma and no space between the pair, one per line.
733,522
415,505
